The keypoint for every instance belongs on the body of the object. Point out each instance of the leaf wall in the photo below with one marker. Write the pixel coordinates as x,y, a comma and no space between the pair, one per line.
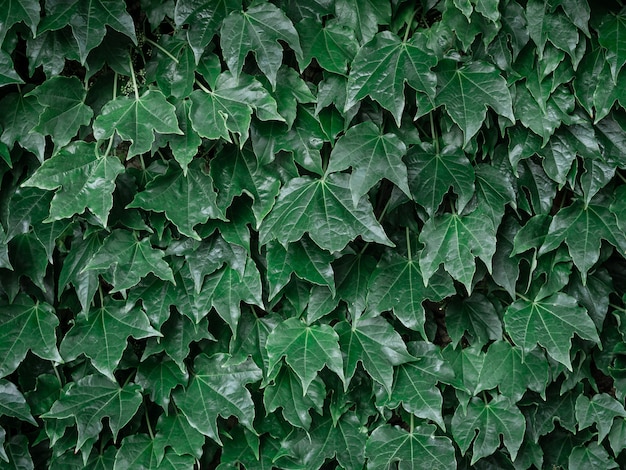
312,234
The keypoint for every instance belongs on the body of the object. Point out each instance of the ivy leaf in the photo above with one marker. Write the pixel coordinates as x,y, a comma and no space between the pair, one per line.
375,344
174,431
204,18
397,283
158,377
187,200
372,156
24,326
136,119
228,107
550,322
591,455
383,65
304,259
363,17
286,392
307,349
432,173
612,36
568,224
324,209
420,446
455,241
258,30
184,147
13,403
90,399
218,389
82,180
250,340
236,172
127,260
497,418
474,315
513,371
91,18
415,383
601,410
467,91
112,323
65,109
8,75
14,12
18,121
332,45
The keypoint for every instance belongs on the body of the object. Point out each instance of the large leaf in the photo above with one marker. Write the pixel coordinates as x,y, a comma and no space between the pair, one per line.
455,241
258,30
333,45
372,156
218,389
112,323
187,200
324,209
136,119
383,65
307,349
612,36
82,180
24,326
90,399
550,322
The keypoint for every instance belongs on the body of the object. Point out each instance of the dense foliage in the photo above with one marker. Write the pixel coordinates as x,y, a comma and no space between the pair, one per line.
312,234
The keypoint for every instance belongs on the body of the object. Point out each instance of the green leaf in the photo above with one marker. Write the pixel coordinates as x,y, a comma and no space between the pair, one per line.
383,65
372,156
499,417
16,11
218,389
467,91
82,180
286,392
17,452
174,431
476,316
432,173
612,36
187,200
419,447
397,284
184,147
228,107
455,241
324,209
236,172
513,371
204,18
601,410
570,222
126,260
13,404
553,26
136,119
88,400
363,16
258,30
112,324
415,383
591,455
65,109
159,376
375,344
307,349
550,322
91,18
18,121
8,75
332,45
27,326
302,258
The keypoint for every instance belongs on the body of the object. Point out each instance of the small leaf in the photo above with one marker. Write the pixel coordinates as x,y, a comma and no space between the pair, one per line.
591,455
216,389
158,377
8,75
324,209
14,12
550,322
363,16
601,410
174,431
476,316
258,30
82,179
90,399
136,119
307,349
187,200
332,45
102,334
13,404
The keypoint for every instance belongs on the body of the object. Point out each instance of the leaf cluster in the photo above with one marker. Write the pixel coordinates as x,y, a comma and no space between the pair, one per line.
312,234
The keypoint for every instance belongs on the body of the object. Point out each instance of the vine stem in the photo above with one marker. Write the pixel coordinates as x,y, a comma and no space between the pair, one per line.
408,29
618,308
145,409
132,75
408,243
110,144
162,49
202,87
523,297
433,132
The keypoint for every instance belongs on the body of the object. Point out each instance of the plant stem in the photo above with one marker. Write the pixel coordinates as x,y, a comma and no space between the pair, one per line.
408,243
202,87
145,409
523,297
132,75
408,29
162,49
110,144
433,132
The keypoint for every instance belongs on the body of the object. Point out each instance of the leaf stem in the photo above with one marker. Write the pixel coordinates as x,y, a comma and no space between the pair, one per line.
408,28
408,243
110,144
56,372
201,86
620,176
412,422
523,297
101,295
618,308
162,49
132,75
433,132
145,409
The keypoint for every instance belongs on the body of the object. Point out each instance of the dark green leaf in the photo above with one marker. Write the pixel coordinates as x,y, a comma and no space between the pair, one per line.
601,410
476,316
15,11
13,404
612,36
591,455
158,377
332,45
